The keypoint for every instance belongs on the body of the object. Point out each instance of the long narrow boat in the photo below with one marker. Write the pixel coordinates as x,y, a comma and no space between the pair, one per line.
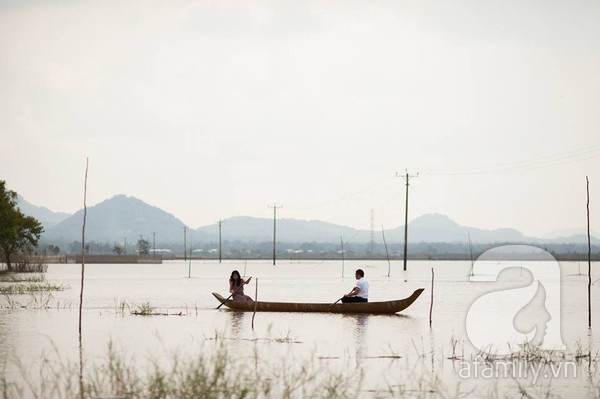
388,307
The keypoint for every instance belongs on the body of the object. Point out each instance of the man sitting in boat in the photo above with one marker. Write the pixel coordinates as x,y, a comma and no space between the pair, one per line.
236,287
360,292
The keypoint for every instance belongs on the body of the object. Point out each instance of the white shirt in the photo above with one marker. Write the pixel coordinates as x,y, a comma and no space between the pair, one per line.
363,285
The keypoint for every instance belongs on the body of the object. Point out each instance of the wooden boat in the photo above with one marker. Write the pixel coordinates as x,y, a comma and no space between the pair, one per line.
388,307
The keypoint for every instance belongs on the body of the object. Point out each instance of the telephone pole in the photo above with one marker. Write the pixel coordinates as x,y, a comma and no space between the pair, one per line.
407,178
274,206
220,257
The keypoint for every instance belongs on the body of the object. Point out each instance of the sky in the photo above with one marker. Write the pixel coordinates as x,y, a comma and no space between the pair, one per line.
214,109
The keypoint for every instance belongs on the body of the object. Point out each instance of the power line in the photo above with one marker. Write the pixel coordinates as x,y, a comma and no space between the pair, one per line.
220,253
561,158
322,204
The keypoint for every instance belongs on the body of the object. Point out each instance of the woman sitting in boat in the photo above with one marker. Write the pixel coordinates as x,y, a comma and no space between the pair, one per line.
236,287
360,292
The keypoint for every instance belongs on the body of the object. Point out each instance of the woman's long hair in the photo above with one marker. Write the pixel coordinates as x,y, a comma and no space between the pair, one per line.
239,280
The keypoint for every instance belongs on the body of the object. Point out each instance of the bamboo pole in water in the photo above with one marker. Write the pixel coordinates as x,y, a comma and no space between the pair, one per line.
83,242
471,252
255,302
386,250
431,306
589,256
81,387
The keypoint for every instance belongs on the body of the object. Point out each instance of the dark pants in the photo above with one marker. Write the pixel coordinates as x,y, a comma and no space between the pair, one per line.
350,299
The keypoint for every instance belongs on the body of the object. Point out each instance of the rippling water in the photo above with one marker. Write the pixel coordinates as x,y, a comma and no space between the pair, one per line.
392,350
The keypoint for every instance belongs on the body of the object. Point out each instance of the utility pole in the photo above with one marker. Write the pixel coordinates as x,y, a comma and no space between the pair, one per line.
124,245
407,178
220,257
274,229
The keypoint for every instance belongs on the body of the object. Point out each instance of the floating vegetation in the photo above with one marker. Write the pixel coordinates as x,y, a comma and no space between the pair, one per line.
453,343
28,288
120,307
38,300
19,278
34,288
285,339
145,309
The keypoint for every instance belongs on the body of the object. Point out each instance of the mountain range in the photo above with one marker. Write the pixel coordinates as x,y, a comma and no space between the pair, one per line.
122,217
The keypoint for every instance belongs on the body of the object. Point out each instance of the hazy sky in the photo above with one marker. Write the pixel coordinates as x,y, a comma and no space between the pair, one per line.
213,109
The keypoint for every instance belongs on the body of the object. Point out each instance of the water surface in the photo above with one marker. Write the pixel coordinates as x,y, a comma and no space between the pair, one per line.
392,350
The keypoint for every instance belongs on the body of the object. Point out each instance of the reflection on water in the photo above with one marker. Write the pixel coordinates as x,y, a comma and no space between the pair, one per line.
359,332
236,323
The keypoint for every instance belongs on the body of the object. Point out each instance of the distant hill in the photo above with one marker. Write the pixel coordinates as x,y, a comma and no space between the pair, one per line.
288,230
426,228
578,235
44,215
127,217
440,228
117,218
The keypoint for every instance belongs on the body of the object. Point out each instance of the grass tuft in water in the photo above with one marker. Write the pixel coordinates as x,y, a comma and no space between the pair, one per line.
37,300
29,288
145,309
15,278
215,372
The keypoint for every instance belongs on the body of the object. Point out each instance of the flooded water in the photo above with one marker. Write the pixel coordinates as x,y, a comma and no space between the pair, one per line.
399,350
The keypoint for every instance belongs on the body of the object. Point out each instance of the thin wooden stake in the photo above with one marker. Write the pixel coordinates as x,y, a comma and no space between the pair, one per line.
81,387
83,242
431,306
255,302
589,257
471,252
386,250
